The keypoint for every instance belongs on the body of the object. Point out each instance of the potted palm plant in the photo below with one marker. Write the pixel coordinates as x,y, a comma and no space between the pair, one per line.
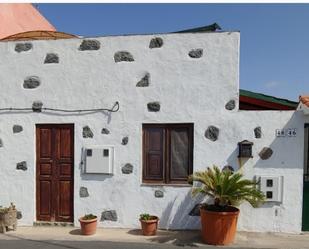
227,191
149,224
88,224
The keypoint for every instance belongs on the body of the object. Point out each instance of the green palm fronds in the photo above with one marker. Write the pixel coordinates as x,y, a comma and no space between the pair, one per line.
226,187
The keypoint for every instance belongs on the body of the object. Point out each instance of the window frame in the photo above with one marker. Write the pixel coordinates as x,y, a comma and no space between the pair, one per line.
166,154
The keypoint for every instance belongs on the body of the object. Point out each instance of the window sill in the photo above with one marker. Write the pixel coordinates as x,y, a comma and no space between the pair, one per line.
181,185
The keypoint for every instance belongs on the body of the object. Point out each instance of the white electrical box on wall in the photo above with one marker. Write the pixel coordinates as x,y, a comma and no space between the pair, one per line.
99,160
272,187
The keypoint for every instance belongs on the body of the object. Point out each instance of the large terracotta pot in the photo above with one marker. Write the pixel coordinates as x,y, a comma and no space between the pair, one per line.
149,227
88,227
219,228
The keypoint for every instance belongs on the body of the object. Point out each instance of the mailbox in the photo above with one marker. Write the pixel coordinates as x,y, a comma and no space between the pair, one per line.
99,160
272,187
245,149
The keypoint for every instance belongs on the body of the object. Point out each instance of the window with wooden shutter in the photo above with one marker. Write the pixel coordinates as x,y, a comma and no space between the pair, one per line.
167,153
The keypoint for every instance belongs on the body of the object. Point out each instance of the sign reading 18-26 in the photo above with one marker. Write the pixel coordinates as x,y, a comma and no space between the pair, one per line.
290,132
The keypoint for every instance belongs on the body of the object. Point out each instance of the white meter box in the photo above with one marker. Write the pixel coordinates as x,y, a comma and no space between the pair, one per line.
272,187
99,159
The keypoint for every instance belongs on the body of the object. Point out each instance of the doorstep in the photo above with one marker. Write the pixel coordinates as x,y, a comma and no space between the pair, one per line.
53,224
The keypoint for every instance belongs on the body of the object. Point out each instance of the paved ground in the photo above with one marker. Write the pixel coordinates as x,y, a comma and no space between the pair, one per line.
70,238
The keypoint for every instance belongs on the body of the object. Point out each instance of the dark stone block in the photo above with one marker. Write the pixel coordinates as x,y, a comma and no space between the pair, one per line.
105,131
37,106
228,168
1,143
156,42
123,56
22,165
153,106
31,82
19,215
212,133
89,45
22,47
17,128
109,215
266,153
87,132
83,192
51,58
159,194
230,105
144,82
258,132
195,210
127,168
125,141
196,53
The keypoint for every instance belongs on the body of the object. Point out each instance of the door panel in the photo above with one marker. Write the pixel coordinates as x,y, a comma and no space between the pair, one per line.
305,218
55,148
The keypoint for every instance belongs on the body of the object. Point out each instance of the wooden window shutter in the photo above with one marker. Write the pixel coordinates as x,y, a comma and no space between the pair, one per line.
153,154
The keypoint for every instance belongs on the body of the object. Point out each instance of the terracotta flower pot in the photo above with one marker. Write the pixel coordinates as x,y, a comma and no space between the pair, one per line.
149,227
219,228
88,227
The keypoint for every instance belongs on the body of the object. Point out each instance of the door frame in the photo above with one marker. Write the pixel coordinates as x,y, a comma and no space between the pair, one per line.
38,125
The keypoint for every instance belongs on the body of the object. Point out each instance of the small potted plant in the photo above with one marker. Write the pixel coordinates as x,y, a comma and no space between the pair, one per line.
88,224
227,190
149,224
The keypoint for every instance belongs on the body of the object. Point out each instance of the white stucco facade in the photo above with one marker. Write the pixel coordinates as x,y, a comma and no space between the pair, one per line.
189,91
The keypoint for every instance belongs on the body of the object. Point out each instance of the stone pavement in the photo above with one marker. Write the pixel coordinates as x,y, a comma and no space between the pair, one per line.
69,237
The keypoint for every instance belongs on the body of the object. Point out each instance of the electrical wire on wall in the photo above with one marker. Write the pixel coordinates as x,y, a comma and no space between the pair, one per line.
38,107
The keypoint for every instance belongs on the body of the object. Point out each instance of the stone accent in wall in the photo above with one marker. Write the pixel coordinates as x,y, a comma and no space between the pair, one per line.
195,210
109,215
19,215
89,45
230,105
127,168
37,106
17,128
159,194
83,192
212,133
22,165
123,56
258,132
1,143
51,58
266,153
22,47
125,141
153,106
31,82
144,82
228,168
156,42
196,53
105,131
87,132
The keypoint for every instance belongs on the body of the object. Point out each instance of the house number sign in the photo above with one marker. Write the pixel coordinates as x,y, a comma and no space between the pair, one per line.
290,132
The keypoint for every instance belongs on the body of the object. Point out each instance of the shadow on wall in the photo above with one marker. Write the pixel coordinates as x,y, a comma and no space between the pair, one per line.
285,151
176,215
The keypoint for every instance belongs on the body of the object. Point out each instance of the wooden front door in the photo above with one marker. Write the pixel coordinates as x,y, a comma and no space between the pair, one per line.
54,172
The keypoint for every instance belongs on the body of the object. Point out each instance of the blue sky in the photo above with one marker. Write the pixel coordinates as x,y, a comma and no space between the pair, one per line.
274,45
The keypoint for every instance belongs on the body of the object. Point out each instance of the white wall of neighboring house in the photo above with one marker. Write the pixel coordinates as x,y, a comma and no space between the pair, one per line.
188,89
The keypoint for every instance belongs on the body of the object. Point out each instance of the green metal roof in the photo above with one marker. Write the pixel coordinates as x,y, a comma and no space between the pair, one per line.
267,98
